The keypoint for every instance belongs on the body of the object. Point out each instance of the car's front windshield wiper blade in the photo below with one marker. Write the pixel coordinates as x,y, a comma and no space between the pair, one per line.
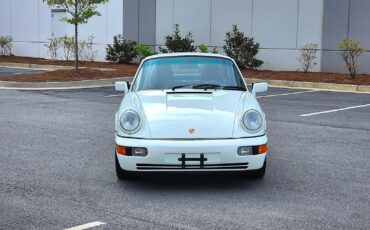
230,87
206,86
210,86
180,86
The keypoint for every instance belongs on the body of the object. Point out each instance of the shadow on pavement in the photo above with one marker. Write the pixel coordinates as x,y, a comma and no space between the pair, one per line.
193,180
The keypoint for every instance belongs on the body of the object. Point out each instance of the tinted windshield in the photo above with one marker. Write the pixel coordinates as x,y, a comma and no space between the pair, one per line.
169,72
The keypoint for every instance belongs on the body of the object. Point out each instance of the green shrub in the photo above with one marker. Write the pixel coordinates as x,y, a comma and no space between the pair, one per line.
175,43
204,49
143,51
307,56
6,45
122,50
350,50
242,49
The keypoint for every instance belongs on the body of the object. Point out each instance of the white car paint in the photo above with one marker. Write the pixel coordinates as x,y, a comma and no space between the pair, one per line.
166,117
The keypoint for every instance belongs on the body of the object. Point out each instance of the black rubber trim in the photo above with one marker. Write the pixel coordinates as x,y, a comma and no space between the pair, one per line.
189,92
179,165
190,167
187,167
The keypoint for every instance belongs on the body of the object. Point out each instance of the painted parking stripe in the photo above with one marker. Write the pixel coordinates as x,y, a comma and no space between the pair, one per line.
334,110
115,95
86,226
286,94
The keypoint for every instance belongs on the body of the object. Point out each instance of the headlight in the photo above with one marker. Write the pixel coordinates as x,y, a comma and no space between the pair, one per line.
252,120
130,121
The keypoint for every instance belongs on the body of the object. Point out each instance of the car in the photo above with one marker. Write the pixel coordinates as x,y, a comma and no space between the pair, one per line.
189,112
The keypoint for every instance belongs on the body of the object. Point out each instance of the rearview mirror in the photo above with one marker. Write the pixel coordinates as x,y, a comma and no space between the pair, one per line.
259,88
121,86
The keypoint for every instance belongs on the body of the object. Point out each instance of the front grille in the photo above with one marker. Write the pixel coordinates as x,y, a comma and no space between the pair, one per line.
190,167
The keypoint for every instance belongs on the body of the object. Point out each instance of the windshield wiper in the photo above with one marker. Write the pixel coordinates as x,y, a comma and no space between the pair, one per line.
239,88
213,86
210,86
206,86
180,86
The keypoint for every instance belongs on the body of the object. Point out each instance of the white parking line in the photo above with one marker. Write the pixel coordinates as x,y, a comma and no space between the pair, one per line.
286,94
115,95
334,110
86,226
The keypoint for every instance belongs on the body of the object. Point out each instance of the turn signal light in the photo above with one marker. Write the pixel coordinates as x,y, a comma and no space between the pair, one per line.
121,150
262,149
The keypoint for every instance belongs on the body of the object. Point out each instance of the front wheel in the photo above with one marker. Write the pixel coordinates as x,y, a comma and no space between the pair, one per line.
121,173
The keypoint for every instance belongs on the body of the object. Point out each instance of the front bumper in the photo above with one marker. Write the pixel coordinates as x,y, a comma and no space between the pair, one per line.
166,155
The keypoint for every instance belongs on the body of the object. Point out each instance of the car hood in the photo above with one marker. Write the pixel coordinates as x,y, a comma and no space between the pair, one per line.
190,115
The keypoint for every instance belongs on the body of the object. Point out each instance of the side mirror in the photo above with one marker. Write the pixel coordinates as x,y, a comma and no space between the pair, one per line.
121,86
259,88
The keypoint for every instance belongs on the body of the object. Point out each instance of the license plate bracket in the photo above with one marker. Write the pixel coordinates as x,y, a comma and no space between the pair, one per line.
201,160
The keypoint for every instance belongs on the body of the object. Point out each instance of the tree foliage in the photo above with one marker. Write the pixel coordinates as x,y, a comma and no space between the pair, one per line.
79,11
242,49
176,43
350,51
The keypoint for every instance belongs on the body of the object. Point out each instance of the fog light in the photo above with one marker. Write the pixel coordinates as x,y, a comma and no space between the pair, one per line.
245,151
139,152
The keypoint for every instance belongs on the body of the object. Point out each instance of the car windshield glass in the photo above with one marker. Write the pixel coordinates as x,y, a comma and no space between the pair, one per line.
188,72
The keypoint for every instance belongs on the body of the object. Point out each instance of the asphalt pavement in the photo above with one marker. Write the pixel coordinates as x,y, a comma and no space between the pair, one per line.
6,72
57,168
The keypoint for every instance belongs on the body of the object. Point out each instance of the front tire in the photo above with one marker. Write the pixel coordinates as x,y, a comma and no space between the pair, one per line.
121,173
259,173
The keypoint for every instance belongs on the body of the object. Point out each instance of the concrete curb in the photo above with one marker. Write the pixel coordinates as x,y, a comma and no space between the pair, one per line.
110,82
62,85
43,67
315,85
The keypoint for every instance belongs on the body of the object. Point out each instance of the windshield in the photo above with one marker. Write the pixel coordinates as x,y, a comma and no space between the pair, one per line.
179,72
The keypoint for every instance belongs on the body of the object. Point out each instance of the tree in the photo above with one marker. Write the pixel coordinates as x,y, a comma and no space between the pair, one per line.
242,49
80,11
350,50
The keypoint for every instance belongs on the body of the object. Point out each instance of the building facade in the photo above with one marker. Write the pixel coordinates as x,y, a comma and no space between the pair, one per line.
282,27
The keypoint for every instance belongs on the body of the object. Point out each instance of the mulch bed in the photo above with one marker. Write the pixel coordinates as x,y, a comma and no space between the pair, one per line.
361,79
124,70
120,70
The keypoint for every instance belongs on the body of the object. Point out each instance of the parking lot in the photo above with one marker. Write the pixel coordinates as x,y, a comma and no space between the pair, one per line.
57,168
5,72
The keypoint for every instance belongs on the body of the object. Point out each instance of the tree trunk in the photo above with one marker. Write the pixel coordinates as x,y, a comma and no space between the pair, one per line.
76,46
76,36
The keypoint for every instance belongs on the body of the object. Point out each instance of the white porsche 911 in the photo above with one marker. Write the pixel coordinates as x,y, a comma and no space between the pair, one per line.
189,112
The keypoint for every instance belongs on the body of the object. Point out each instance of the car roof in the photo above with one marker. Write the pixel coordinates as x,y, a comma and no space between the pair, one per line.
187,54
